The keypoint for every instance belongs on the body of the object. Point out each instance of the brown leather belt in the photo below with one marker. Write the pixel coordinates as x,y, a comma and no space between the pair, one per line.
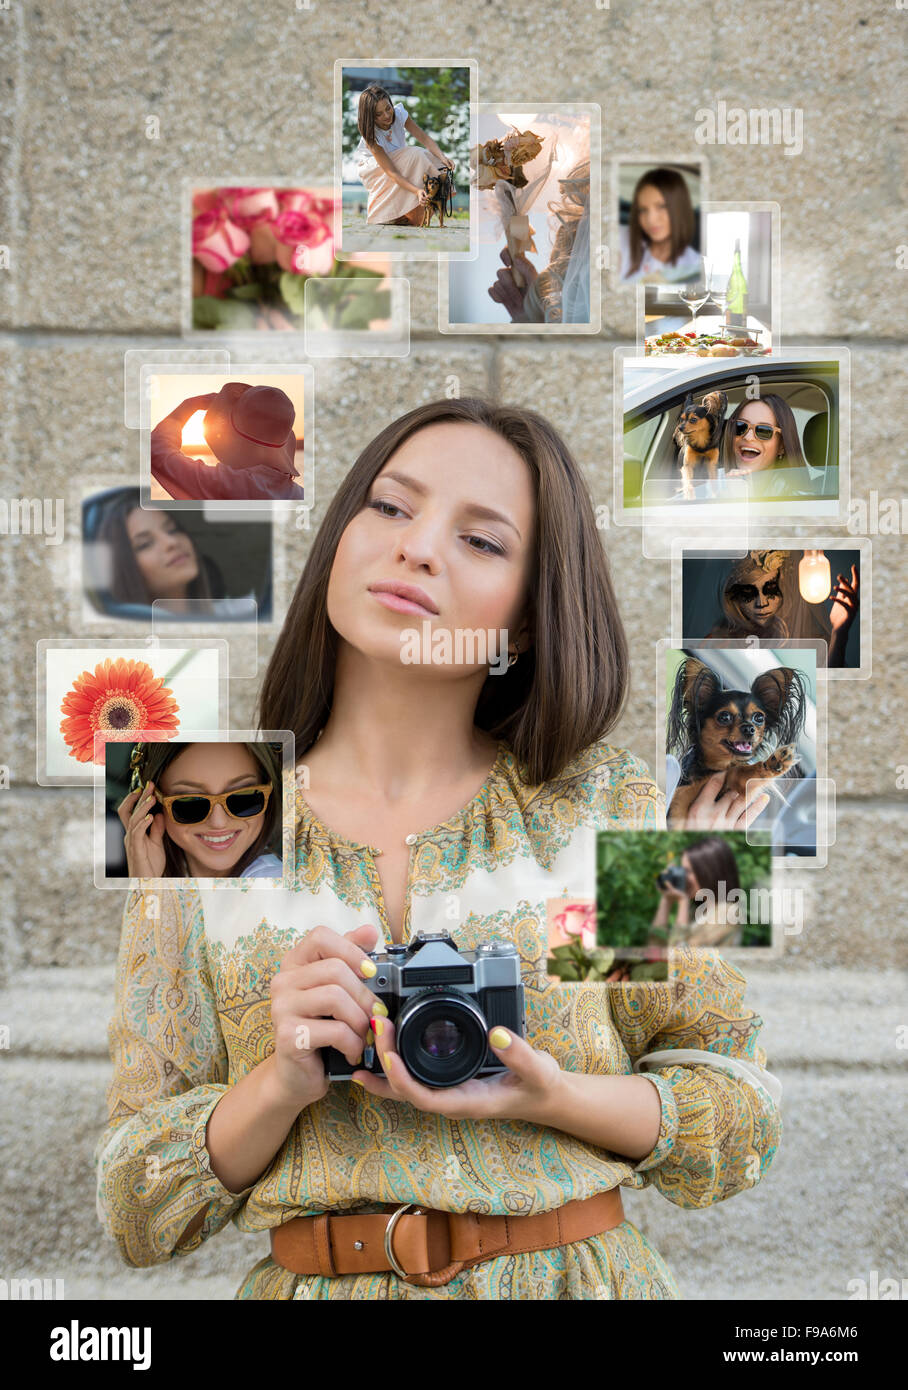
429,1247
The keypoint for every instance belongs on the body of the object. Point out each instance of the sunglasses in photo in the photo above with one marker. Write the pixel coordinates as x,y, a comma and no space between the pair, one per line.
761,431
193,808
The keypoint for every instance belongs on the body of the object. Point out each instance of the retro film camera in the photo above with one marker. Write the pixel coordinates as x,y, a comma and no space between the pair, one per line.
442,1003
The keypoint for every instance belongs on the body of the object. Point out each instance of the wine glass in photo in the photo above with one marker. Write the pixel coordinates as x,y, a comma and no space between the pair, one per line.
694,295
718,293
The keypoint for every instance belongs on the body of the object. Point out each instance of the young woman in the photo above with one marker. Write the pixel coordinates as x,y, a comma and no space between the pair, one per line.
760,597
758,435
712,872
148,557
434,796
202,810
561,293
656,243
389,168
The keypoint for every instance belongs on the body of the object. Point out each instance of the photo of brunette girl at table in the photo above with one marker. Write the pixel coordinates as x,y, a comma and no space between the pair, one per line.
306,1104
138,564
659,224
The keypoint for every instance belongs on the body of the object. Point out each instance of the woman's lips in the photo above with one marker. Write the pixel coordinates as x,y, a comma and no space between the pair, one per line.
748,452
179,559
402,605
220,843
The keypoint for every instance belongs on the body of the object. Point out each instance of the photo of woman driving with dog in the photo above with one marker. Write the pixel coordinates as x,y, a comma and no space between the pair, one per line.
441,803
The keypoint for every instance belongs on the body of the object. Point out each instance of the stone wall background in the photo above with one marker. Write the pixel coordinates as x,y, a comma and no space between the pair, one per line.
90,210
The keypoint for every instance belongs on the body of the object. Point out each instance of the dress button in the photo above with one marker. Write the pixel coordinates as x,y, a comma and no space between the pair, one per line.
411,840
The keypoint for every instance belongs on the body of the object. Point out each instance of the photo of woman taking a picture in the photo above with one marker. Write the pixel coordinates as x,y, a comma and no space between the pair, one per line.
431,798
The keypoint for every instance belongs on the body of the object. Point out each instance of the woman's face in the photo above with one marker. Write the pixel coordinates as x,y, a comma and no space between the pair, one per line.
692,884
452,516
164,554
384,114
213,847
652,214
757,596
749,450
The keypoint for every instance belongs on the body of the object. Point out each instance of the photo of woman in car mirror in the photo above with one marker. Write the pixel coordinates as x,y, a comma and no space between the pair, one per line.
173,565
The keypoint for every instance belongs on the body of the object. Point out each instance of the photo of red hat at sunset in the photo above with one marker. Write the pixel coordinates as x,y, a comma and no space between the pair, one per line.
253,251
227,440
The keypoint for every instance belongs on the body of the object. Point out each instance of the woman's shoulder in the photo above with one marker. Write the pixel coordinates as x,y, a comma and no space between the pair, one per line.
607,785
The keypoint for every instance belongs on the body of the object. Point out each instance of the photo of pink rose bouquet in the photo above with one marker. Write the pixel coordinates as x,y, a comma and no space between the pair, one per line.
253,249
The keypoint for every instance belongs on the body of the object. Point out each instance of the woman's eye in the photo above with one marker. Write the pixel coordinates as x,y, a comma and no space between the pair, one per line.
379,506
485,547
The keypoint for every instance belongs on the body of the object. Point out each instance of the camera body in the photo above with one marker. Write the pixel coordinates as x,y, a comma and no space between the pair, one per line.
675,876
442,1002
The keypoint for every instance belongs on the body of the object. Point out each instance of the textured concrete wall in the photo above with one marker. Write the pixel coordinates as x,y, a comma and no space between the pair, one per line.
90,210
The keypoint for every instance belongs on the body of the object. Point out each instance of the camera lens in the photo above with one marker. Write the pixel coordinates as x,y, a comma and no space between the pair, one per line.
441,1038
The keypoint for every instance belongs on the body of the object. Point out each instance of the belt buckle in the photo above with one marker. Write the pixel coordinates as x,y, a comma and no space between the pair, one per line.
431,1279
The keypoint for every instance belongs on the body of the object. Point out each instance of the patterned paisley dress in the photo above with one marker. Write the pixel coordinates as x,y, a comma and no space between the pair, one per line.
193,1016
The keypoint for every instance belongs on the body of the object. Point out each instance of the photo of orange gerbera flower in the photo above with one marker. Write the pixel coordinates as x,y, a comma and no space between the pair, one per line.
117,699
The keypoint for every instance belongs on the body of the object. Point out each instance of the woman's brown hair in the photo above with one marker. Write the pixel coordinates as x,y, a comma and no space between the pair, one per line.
151,759
713,862
575,201
561,695
126,584
791,455
369,99
673,188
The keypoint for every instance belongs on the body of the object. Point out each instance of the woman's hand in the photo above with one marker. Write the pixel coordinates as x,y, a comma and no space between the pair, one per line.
732,811
144,837
319,998
505,290
526,1091
846,602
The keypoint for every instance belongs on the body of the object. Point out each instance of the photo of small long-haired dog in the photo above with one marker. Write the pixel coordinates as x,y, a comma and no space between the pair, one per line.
698,436
440,192
746,734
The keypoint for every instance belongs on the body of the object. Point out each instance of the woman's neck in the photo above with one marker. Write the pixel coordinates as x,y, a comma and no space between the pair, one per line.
400,733
660,250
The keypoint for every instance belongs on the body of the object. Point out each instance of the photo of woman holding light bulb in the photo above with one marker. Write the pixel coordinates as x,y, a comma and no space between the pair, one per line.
778,594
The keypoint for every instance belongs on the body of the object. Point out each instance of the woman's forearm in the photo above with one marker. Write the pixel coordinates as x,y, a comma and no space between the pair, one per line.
620,1113
247,1127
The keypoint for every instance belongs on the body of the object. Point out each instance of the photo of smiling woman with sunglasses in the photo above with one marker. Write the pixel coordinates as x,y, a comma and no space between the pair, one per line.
202,810
761,434
448,798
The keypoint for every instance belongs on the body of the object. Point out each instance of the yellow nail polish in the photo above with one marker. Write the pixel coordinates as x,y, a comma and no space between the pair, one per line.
367,967
378,1026
359,1061
370,1041
356,1081
379,1009
388,1059
500,1038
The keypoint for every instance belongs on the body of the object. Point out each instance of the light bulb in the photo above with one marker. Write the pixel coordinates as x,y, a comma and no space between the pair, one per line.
814,578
